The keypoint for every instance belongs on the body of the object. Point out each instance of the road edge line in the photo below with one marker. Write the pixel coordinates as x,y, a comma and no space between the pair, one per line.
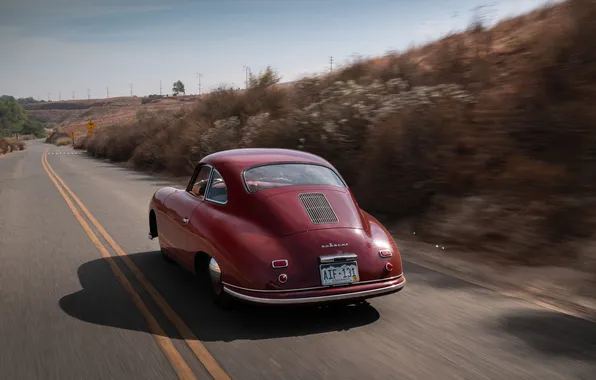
195,345
178,364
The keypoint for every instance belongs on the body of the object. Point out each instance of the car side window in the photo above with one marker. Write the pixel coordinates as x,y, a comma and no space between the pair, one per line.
200,182
218,191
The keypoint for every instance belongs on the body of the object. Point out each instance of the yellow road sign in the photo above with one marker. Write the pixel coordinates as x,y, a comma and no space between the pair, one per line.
90,125
90,132
72,134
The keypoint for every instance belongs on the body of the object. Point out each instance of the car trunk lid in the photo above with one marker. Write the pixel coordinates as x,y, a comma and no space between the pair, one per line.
294,211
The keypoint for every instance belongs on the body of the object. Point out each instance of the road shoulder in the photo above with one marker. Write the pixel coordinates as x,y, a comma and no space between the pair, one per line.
555,288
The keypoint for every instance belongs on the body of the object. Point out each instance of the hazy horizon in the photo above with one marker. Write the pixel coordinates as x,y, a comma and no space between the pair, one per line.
58,46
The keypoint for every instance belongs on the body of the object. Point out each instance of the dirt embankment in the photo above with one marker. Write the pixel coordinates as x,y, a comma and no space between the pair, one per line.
484,141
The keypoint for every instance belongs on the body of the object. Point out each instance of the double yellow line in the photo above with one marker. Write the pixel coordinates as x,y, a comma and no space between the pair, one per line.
165,344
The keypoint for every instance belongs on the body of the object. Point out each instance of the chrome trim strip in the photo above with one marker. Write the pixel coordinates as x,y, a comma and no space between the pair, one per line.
333,297
341,257
312,288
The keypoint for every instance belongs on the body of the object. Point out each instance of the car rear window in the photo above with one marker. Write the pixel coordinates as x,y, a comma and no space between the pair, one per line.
278,175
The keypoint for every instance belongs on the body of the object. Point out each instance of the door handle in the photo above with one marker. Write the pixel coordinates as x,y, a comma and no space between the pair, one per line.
185,220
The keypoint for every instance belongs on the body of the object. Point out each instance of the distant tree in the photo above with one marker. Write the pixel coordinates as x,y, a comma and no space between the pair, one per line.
15,119
178,88
265,79
28,100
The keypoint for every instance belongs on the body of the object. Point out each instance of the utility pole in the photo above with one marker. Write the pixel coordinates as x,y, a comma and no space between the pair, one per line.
160,87
331,64
73,95
107,92
248,74
199,76
49,98
60,95
88,94
130,89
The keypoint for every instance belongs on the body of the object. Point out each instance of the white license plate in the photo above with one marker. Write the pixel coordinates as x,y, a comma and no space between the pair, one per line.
339,273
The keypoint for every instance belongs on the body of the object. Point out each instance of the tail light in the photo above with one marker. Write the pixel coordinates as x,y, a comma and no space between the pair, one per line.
385,253
279,263
389,267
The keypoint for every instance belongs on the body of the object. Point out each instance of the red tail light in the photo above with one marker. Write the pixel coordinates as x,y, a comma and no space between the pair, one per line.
384,253
279,263
389,267
282,278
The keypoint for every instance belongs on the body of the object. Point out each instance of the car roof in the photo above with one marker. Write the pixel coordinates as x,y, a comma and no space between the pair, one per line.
247,157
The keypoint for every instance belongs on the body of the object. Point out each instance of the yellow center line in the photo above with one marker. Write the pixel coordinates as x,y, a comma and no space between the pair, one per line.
186,333
180,366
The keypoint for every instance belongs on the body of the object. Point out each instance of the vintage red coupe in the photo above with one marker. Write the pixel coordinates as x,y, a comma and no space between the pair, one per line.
275,226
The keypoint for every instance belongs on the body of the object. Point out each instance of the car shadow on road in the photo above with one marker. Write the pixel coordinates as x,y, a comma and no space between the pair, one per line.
553,333
103,301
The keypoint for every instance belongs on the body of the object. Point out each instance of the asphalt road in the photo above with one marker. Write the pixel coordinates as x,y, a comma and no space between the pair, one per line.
65,315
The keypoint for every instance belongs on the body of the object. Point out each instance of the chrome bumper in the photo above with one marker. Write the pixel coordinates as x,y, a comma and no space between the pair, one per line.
319,299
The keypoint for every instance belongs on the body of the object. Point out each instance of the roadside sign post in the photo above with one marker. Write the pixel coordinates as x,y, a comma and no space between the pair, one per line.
90,128
72,134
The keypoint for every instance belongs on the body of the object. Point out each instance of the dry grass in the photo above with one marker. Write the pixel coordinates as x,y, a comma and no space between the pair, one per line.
63,141
486,139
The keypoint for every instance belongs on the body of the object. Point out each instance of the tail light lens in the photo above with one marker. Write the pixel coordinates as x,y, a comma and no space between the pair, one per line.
385,253
279,263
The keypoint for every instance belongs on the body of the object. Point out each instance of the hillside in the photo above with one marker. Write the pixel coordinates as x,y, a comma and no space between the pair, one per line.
72,115
484,139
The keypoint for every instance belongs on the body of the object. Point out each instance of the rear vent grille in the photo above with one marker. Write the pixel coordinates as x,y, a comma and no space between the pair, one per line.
318,208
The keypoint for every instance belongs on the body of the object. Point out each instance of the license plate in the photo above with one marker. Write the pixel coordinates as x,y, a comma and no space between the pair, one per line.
339,273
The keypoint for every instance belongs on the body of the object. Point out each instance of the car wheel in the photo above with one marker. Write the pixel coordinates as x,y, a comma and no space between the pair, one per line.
221,298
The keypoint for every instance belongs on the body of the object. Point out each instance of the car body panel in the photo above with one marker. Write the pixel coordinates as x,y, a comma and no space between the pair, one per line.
248,231
179,208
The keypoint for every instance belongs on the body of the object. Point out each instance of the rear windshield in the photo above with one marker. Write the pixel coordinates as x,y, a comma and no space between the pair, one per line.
278,175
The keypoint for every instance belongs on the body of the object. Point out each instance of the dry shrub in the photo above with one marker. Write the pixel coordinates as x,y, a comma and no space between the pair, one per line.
510,229
487,138
63,141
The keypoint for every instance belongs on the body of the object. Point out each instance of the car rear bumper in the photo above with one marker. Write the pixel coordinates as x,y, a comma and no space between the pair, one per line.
335,294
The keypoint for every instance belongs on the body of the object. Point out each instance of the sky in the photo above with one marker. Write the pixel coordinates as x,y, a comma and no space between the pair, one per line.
63,48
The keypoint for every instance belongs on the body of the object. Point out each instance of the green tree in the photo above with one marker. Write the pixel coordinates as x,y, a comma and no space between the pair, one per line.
15,119
178,88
